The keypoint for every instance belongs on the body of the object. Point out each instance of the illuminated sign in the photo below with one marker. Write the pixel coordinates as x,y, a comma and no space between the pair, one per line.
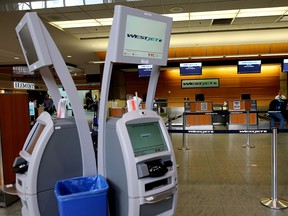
22,85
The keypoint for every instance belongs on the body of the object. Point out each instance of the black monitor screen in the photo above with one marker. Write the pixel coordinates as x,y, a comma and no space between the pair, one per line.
199,97
93,78
146,138
28,46
285,65
187,69
249,66
245,96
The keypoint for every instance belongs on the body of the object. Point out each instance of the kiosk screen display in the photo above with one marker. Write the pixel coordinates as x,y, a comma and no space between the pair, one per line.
32,40
190,69
28,45
140,37
146,138
34,138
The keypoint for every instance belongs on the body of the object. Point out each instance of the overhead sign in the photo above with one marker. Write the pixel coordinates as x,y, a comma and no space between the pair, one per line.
22,85
200,83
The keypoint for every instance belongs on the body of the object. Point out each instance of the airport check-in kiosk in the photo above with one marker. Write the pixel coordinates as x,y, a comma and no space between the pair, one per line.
55,149
51,152
141,167
135,153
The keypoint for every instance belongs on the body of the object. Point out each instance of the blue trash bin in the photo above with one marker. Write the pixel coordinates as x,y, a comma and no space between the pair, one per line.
82,196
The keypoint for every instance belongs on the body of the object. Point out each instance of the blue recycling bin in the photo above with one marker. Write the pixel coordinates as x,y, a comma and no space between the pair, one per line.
82,196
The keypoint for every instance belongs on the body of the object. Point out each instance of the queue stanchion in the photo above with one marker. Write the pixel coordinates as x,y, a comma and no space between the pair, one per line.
274,202
248,145
170,127
184,145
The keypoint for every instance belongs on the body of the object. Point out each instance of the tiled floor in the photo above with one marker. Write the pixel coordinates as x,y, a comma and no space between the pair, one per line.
217,176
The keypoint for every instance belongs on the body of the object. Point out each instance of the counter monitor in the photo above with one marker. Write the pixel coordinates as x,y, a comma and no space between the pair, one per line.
285,65
144,70
253,66
187,69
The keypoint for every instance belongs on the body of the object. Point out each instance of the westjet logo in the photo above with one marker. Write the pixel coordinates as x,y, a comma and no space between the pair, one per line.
141,37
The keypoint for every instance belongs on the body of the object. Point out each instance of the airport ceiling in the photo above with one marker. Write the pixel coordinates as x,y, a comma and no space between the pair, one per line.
83,44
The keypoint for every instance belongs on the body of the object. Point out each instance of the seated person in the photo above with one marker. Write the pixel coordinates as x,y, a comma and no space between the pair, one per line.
277,109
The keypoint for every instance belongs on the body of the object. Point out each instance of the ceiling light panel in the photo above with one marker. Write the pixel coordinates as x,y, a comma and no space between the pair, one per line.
256,12
178,16
213,15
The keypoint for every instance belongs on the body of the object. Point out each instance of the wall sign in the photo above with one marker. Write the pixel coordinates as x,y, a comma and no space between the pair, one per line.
22,85
200,83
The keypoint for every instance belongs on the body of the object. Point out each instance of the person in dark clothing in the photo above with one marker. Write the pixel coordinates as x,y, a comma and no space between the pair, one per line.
48,104
277,109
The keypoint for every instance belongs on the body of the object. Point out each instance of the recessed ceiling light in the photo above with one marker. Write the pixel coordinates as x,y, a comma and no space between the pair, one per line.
69,56
16,58
176,9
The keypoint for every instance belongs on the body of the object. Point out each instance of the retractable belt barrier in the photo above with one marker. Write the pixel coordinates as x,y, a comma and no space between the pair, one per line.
247,131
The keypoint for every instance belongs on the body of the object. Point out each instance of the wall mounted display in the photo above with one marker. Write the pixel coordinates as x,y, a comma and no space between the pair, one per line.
144,70
187,69
245,67
285,65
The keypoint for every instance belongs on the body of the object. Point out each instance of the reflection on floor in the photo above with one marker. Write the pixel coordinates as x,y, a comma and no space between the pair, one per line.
217,176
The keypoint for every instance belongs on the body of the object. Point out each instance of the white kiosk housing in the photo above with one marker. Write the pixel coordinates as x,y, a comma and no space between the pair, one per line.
143,180
135,153
55,149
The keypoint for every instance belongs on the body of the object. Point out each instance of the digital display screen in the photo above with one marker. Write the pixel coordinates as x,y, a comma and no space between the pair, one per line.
144,70
28,46
146,138
285,65
249,67
190,69
142,43
34,138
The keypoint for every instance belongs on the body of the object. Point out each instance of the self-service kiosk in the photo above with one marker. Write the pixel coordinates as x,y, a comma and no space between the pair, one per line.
55,149
140,164
51,152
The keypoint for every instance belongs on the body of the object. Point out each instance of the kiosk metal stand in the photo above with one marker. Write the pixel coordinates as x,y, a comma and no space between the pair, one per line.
274,202
248,145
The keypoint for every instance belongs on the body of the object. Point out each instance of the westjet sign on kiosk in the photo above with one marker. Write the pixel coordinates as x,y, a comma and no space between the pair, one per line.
138,44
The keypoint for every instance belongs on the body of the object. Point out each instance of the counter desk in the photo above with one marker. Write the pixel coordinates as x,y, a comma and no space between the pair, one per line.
199,115
242,113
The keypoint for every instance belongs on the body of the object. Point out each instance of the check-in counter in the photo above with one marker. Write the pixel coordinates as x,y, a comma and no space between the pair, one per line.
238,112
200,115
116,111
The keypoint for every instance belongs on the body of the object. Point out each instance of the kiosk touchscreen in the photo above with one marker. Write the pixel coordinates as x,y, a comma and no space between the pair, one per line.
141,167
51,152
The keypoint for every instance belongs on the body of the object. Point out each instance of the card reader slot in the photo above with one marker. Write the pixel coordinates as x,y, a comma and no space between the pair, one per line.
157,184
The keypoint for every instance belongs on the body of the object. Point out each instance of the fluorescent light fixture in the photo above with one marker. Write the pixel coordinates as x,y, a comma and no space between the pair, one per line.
213,15
178,16
257,12
82,23
105,21
237,56
275,54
